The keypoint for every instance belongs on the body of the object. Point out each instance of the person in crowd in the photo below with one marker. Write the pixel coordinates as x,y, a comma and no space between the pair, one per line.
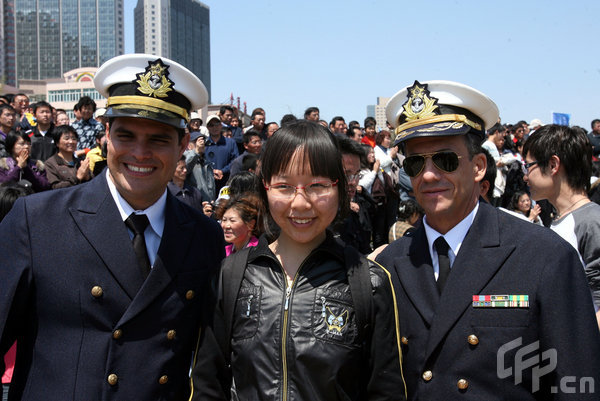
287,119
64,169
311,114
220,151
7,122
97,156
200,173
494,145
558,165
486,185
520,206
335,357
594,138
20,102
369,137
62,118
207,209
20,167
252,145
355,133
184,192
338,125
226,115
257,124
195,123
241,219
409,217
109,280
475,286
43,133
86,127
270,129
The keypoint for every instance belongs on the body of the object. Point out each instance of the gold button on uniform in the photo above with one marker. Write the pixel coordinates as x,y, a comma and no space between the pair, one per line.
427,375
404,340
171,334
113,379
190,295
462,384
97,291
163,379
118,333
473,340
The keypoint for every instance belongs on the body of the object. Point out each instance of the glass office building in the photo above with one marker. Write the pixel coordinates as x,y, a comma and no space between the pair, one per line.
177,29
52,37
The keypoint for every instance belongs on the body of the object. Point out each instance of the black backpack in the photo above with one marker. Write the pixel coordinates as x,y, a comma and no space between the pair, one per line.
358,278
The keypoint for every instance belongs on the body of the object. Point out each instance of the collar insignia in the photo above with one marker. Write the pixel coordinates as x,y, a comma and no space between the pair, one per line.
336,323
419,104
154,81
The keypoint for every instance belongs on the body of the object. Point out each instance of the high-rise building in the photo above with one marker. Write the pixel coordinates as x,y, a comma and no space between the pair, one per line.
378,112
176,29
47,38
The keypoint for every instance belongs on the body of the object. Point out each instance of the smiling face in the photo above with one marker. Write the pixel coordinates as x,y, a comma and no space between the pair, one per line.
67,143
447,198
142,155
302,220
524,204
236,231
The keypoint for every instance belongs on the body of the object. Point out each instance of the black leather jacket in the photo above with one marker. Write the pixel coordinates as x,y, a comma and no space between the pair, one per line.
301,342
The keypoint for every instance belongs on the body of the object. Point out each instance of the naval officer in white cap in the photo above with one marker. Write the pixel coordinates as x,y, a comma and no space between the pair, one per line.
102,285
490,307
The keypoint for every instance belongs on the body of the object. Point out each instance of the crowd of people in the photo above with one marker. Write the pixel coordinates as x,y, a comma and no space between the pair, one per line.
306,206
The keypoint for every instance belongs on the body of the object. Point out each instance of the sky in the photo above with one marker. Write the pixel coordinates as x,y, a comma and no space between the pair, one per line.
530,57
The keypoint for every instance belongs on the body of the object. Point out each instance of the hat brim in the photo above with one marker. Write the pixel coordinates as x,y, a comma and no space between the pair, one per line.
149,113
451,128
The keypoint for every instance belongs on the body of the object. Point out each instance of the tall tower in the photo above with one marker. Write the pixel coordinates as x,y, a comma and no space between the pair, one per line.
177,29
52,37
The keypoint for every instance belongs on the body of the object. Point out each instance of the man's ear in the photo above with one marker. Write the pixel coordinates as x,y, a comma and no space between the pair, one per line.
554,164
479,166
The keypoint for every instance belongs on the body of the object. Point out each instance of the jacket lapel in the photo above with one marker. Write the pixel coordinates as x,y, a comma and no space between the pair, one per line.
174,248
479,258
415,273
99,221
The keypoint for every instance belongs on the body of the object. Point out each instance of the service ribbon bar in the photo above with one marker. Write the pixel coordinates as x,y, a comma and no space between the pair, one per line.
501,301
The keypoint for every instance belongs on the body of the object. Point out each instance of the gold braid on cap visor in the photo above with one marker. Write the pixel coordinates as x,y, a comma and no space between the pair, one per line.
148,102
436,119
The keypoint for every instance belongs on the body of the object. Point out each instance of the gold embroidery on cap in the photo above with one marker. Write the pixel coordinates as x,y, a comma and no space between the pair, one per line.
155,82
419,105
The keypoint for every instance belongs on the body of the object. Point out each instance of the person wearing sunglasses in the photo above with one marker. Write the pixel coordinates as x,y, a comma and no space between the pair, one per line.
478,288
291,329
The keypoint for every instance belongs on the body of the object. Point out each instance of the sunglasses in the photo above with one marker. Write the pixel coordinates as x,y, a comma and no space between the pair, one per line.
446,161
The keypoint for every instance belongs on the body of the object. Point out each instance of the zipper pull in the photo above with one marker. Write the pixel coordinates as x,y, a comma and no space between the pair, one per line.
323,308
249,302
287,297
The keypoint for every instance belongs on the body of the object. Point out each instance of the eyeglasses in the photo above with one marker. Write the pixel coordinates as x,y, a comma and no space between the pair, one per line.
312,191
527,166
446,161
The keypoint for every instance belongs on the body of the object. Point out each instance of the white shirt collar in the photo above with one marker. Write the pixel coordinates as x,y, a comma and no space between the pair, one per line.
155,213
454,237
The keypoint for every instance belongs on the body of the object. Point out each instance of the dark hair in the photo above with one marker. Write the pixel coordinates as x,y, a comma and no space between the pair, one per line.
12,138
490,173
85,101
249,206
320,155
258,110
348,146
288,119
370,120
353,124
249,134
310,110
496,128
244,181
225,108
39,104
8,107
571,146
594,121
351,131
473,143
9,195
370,124
249,161
364,162
407,208
224,129
380,136
257,113
514,201
61,130
336,118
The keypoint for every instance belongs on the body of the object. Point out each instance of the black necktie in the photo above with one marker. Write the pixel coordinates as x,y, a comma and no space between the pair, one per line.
138,223
441,247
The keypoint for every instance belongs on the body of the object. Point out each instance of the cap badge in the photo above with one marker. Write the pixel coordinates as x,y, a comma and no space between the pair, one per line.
336,323
419,104
155,82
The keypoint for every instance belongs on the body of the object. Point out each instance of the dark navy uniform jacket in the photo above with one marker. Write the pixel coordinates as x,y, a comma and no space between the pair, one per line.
87,325
454,351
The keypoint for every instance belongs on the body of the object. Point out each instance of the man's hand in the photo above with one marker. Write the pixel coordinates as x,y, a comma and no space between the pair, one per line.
83,172
218,174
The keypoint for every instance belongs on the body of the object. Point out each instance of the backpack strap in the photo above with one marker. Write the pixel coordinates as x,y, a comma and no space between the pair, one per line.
233,269
359,280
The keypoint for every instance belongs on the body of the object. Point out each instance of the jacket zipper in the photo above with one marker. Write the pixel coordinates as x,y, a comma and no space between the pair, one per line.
288,293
